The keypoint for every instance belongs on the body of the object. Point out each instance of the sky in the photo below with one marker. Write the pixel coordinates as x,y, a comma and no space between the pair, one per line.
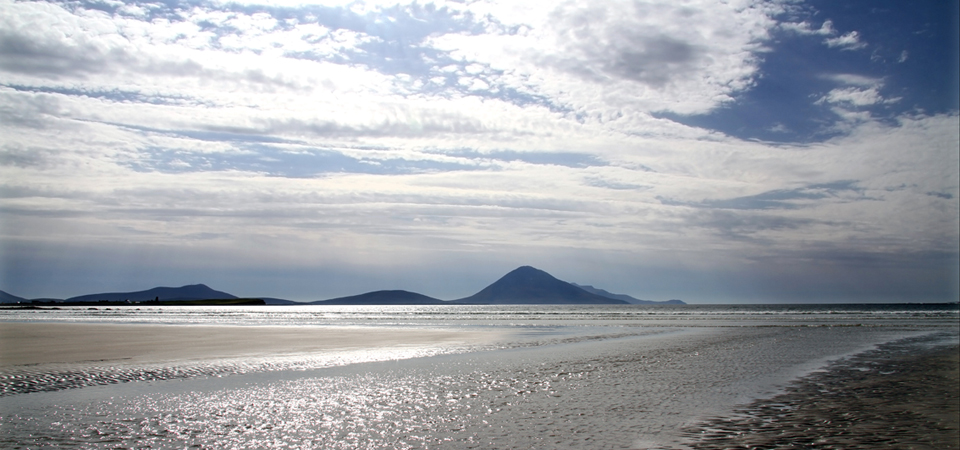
711,151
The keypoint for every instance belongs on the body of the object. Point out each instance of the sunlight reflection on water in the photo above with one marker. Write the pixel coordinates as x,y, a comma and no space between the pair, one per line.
577,386
487,315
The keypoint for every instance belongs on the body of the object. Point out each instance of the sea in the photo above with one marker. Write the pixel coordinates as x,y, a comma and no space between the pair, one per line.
555,377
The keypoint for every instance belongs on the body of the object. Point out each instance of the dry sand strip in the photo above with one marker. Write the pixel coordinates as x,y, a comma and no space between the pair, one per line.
38,357
23,344
911,401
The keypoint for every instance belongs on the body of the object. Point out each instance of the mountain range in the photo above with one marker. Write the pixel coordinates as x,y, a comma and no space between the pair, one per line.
523,286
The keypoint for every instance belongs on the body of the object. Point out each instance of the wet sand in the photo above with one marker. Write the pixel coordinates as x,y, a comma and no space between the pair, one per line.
60,343
38,357
881,399
568,391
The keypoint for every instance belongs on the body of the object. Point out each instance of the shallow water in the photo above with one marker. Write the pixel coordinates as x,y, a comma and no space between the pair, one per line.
902,395
504,315
565,377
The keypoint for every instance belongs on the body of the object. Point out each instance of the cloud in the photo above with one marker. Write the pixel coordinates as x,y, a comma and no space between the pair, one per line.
857,101
257,58
854,79
849,41
854,97
18,156
317,136
612,59
597,44
806,28
753,228
806,196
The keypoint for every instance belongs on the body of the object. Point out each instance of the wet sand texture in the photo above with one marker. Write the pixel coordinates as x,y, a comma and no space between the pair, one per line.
57,343
37,357
634,391
911,401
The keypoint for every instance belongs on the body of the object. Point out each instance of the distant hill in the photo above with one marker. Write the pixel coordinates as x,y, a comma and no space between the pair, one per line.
523,286
626,298
383,298
189,292
530,286
10,298
279,301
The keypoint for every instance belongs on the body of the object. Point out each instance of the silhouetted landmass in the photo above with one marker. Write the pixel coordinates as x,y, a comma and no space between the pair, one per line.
189,292
530,286
626,298
522,286
383,298
214,302
10,298
42,304
279,301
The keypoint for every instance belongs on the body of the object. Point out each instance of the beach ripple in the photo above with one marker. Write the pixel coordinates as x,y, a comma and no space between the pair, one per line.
895,397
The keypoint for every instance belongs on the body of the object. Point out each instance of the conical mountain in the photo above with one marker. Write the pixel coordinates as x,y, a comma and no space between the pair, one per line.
10,298
530,286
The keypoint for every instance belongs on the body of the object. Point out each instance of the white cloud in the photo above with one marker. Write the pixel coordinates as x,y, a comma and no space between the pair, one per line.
852,102
608,59
806,28
530,129
854,97
854,80
849,41
245,70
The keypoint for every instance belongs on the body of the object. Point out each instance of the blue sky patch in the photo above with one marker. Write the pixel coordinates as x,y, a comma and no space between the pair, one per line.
903,50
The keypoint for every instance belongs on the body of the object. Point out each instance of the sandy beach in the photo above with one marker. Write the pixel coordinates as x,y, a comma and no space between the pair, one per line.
39,357
507,387
910,401
23,344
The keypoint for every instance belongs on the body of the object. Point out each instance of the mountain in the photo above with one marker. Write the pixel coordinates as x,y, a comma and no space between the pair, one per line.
626,298
10,298
522,286
383,298
530,286
189,292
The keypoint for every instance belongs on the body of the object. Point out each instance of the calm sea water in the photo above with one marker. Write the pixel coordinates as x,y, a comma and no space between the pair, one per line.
508,315
561,377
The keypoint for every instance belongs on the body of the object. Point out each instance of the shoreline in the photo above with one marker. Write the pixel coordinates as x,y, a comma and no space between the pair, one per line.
41,357
896,396
567,391
32,344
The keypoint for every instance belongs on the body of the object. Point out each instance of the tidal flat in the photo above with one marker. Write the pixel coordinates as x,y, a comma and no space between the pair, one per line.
561,377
